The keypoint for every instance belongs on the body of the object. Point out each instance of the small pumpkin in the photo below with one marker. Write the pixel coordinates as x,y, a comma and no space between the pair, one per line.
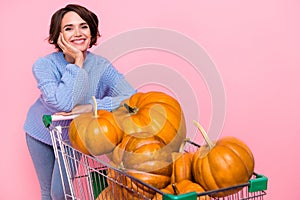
182,165
182,187
153,112
108,194
156,180
119,186
126,187
221,164
95,133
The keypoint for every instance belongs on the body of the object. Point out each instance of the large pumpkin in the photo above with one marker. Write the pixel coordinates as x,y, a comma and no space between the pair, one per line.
95,133
224,163
153,112
143,152
145,157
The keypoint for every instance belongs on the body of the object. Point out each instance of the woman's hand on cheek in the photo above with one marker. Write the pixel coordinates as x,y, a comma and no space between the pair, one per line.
73,54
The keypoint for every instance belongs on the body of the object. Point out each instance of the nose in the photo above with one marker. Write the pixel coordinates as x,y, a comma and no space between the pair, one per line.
77,32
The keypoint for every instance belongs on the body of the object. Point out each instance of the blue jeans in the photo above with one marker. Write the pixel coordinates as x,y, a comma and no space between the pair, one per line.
47,169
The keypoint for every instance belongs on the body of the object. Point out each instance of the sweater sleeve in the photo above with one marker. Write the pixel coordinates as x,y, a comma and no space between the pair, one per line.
112,89
61,89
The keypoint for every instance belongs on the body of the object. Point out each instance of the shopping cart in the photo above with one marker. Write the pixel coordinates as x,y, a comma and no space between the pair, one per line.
94,177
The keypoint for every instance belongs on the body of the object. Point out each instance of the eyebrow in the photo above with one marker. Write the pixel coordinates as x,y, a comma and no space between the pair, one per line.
67,25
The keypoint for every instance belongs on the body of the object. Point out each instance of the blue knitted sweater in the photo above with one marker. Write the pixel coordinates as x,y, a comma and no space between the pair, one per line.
64,85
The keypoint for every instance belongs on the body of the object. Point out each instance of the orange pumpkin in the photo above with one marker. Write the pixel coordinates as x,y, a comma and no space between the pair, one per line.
145,157
182,165
108,194
153,112
119,186
182,187
156,180
125,187
224,163
143,152
95,133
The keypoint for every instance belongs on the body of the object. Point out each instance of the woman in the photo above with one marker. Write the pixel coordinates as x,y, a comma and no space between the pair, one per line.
67,80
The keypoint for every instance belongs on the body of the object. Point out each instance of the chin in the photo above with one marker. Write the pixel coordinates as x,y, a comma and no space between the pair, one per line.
83,49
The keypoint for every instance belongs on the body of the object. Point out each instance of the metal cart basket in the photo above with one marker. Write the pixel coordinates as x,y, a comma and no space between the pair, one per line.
93,177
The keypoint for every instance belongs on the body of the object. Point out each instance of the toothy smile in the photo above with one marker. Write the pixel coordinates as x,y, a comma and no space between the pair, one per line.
78,41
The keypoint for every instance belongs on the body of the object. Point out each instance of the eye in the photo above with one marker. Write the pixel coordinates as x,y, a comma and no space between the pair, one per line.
85,27
68,29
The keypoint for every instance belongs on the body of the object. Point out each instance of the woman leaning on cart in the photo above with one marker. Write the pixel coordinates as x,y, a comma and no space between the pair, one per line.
67,80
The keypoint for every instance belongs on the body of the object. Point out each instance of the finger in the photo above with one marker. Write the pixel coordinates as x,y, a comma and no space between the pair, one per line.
62,39
60,43
63,113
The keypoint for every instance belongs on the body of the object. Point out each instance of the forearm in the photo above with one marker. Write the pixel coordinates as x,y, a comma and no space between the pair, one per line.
61,93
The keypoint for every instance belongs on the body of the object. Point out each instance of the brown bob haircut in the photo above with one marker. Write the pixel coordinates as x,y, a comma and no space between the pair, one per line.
89,17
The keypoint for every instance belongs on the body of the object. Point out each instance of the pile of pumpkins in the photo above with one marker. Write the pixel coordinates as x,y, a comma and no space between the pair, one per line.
145,138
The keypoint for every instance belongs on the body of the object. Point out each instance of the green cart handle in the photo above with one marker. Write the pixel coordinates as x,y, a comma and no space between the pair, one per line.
187,196
48,119
258,184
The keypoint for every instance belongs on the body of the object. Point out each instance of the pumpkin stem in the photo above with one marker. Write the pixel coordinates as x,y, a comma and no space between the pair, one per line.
121,167
181,148
130,109
175,189
204,134
95,107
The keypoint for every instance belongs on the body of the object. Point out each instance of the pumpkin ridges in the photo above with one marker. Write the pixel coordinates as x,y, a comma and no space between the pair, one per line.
157,181
110,119
88,129
236,141
132,151
174,108
182,166
146,141
195,165
135,98
186,186
141,104
160,97
208,176
245,152
167,113
150,166
174,128
246,162
156,113
142,119
168,127
79,145
241,150
119,151
104,124
233,168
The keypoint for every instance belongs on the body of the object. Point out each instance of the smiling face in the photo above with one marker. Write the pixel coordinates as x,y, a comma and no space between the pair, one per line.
76,31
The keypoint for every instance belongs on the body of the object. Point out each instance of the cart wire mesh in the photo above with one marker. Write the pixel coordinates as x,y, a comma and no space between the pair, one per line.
96,178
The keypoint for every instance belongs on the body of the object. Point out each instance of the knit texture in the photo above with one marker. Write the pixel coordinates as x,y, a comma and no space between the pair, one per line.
64,85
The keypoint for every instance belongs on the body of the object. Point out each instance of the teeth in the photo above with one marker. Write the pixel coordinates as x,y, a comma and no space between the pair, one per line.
78,41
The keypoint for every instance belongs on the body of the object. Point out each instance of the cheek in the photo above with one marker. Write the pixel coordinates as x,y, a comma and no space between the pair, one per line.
88,34
67,36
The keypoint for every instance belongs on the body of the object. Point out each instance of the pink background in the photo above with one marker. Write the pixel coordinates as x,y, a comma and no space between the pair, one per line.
254,44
